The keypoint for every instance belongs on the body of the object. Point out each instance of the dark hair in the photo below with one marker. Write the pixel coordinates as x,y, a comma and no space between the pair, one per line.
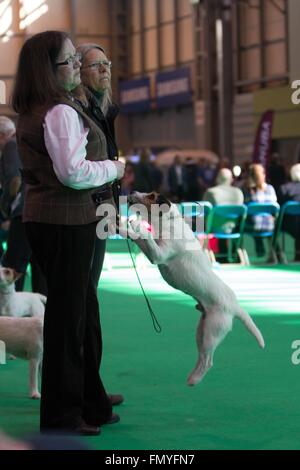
35,82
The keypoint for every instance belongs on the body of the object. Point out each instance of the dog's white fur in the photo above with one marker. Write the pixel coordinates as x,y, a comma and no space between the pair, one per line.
23,337
18,304
185,266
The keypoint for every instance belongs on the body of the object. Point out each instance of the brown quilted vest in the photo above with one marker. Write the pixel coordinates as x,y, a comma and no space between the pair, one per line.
47,200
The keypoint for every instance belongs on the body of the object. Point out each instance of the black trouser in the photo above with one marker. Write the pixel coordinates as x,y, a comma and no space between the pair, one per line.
72,389
98,260
18,255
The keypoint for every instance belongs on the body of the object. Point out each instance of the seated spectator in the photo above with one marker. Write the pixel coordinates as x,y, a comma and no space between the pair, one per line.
291,192
224,192
257,190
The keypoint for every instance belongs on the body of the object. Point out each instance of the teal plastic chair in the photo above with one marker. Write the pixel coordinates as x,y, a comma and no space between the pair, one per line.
227,222
262,209
197,214
291,209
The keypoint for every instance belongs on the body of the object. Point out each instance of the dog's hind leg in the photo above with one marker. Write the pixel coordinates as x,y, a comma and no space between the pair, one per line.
203,364
212,329
33,378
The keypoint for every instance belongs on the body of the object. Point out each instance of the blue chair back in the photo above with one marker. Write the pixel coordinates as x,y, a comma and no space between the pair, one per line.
263,209
196,214
291,209
227,221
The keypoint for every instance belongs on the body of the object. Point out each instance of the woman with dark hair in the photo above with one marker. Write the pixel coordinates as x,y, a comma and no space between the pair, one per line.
67,174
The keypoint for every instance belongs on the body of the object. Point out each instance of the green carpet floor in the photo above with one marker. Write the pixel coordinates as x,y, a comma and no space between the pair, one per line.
250,398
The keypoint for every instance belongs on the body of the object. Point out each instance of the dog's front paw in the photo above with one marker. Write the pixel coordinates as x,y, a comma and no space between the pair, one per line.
35,396
140,228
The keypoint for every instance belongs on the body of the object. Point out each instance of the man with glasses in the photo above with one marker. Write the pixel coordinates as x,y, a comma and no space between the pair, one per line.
96,77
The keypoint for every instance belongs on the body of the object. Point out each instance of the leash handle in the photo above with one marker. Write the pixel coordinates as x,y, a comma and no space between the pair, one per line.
155,322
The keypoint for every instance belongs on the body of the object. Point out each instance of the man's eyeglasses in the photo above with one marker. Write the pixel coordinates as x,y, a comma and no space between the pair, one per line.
100,63
71,60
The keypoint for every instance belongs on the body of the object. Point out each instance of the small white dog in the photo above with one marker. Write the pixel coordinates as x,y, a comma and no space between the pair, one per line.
184,266
23,337
18,304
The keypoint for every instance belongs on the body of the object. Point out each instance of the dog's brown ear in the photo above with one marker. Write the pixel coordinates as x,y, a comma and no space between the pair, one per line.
163,200
17,275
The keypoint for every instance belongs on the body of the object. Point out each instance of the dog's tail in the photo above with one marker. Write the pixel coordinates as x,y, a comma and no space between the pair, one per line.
250,325
42,298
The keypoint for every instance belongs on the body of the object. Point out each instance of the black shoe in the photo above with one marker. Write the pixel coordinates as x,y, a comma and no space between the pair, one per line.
113,419
82,429
85,429
116,400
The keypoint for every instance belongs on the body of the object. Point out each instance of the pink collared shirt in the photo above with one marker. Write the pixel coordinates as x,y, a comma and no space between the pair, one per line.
66,140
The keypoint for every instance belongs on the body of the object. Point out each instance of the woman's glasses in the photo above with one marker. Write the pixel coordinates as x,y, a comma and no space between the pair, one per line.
71,60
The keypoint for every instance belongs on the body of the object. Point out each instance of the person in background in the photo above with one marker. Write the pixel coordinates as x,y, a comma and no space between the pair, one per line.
156,175
257,190
128,180
18,253
192,188
241,180
224,192
96,77
207,173
96,99
202,175
148,176
276,172
176,180
291,192
67,176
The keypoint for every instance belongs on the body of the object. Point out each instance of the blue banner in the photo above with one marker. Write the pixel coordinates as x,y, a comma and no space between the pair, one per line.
173,88
135,96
